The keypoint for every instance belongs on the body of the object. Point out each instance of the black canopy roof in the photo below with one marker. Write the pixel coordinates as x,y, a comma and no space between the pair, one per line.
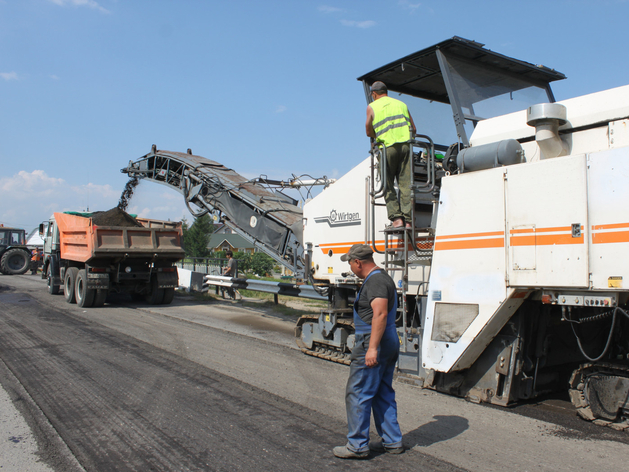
419,74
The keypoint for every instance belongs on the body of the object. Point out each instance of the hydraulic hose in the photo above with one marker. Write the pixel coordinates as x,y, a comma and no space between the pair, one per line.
609,338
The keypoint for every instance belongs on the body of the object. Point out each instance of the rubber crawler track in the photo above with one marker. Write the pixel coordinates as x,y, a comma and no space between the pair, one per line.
329,353
579,399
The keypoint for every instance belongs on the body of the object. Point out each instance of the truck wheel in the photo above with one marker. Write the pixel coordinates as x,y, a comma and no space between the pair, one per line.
169,294
156,296
100,297
52,288
69,281
15,262
84,296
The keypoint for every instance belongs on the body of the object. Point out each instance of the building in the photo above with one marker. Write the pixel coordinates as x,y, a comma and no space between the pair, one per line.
224,239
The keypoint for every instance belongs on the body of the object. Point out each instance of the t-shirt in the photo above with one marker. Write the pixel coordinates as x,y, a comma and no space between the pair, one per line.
379,285
232,268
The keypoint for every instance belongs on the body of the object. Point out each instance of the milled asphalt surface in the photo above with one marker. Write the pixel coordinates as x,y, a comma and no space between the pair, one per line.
210,350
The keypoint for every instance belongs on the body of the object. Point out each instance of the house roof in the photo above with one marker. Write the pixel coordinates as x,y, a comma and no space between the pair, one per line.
235,240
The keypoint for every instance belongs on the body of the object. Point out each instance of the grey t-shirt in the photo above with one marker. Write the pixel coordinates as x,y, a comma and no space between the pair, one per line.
232,268
379,285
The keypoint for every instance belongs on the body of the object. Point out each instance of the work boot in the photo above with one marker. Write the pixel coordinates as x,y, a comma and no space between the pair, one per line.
378,446
344,453
397,223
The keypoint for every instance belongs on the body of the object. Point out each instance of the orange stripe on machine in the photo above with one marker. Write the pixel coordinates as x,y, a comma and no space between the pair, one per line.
610,233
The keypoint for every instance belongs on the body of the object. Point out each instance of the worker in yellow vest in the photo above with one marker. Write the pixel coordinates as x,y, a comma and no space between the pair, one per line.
389,122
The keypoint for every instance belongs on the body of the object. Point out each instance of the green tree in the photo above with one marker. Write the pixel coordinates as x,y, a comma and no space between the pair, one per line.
197,237
261,264
244,261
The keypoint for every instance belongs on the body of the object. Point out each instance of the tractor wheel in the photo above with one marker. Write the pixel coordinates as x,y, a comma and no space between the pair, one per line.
69,282
15,262
84,296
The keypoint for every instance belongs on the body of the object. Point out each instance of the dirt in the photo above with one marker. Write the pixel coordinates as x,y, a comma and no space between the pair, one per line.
114,217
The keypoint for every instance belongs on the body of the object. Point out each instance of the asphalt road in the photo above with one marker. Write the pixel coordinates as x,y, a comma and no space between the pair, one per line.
122,404
197,386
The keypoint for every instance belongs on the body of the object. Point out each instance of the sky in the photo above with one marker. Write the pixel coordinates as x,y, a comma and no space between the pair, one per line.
263,87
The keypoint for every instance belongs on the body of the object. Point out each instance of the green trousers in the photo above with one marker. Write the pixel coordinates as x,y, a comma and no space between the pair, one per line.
398,168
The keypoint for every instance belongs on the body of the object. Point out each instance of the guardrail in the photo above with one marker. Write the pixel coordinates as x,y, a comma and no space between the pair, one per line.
278,288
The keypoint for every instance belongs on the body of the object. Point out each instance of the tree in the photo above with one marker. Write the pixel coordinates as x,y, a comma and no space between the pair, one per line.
261,264
244,261
197,237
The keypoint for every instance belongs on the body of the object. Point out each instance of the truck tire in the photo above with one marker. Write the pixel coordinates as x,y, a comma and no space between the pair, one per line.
15,262
169,294
156,295
100,297
69,281
84,296
53,289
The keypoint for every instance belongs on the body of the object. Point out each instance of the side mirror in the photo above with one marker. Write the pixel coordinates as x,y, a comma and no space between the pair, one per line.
41,229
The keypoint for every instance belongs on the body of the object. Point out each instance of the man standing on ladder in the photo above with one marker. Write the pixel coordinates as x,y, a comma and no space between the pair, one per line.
389,122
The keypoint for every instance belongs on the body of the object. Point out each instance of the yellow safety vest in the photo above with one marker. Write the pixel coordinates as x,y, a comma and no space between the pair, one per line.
391,121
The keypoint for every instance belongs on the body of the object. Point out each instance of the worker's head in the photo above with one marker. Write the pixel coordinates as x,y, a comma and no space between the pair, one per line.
229,254
360,258
378,89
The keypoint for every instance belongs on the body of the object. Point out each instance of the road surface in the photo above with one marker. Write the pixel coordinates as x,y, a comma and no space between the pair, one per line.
215,386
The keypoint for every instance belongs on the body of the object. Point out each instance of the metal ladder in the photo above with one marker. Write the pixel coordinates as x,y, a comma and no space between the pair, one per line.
401,247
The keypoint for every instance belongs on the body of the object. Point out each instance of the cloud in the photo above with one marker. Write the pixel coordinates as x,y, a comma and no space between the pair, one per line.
329,9
81,3
9,76
55,77
358,24
281,109
406,4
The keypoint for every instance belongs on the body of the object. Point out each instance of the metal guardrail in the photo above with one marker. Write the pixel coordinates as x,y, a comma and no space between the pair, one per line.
278,288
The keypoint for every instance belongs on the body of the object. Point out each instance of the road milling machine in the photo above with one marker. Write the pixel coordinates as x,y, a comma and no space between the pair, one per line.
514,278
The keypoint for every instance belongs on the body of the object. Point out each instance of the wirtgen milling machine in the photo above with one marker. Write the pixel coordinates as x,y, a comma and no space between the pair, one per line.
514,279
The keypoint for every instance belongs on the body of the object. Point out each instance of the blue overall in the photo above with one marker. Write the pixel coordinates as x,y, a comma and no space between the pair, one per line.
371,387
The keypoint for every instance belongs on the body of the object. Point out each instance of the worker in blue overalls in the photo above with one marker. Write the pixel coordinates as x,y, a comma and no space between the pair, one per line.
376,350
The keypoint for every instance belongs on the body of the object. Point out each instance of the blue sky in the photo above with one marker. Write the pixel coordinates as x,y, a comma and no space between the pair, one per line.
264,87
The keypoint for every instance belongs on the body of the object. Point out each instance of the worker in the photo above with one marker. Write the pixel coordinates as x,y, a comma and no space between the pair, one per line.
373,359
230,270
389,122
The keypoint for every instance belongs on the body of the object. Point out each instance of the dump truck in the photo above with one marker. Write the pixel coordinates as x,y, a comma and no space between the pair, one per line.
14,255
93,254
513,279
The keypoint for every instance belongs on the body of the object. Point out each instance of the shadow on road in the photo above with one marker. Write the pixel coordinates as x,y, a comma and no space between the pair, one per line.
440,429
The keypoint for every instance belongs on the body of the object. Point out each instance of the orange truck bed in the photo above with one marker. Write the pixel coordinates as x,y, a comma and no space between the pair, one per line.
80,240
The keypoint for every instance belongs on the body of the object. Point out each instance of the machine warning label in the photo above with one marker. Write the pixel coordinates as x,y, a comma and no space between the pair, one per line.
614,282
340,218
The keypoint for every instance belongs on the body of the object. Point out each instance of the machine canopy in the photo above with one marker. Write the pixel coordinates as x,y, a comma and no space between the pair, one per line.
477,83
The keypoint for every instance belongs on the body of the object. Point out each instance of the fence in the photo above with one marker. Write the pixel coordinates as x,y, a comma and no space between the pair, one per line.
210,266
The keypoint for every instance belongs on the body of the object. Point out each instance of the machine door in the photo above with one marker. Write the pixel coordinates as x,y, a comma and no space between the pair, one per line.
547,223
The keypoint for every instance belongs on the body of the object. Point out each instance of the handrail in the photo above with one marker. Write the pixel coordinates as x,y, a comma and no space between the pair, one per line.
380,150
430,163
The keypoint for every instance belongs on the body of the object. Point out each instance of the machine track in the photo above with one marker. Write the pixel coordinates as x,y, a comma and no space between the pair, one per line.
322,351
599,392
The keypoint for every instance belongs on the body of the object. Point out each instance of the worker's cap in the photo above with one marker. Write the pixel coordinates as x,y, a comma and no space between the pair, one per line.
378,87
358,251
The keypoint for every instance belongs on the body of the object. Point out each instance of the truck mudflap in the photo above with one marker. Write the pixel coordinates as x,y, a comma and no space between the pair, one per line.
167,279
98,281
600,393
